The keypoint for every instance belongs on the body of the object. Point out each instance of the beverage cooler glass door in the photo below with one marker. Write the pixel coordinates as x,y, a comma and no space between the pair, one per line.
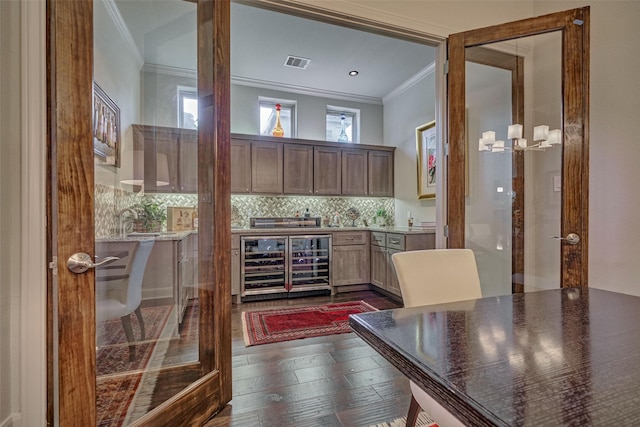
309,263
263,265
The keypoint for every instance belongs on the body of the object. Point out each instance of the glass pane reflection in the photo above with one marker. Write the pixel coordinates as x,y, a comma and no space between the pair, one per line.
145,55
512,245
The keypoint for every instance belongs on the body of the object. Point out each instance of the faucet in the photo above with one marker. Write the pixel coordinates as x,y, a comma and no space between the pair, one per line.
124,225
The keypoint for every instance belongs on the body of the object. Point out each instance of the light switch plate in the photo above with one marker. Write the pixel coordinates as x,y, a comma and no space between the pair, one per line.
557,183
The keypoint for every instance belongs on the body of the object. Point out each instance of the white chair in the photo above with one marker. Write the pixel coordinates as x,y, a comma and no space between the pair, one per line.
428,277
120,294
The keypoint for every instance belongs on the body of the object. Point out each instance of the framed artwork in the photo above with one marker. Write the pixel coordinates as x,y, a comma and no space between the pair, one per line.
426,149
106,128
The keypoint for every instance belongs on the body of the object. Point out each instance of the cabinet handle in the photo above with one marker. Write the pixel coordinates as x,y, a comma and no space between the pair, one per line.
394,241
237,253
348,238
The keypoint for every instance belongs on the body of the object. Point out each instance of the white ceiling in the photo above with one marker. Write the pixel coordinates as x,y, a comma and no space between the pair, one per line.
164,33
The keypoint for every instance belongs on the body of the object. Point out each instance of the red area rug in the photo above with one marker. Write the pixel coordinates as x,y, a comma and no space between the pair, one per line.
269,326
117,377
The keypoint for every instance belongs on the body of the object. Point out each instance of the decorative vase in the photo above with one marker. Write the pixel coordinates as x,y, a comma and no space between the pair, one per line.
343,131
278,130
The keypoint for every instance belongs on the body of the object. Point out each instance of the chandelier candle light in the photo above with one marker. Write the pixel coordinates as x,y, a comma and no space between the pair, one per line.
542,137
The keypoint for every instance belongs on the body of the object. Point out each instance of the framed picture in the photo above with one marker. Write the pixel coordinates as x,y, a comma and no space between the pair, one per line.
106,128
426,148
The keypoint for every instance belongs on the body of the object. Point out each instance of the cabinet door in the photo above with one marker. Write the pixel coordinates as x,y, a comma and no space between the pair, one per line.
327,176
266,168
240,167
161,273
393,285
158,164
380,173
188,161
378,266
298,169
354,173
350,265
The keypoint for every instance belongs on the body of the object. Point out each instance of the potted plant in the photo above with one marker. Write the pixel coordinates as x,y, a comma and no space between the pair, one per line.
381,217
151,217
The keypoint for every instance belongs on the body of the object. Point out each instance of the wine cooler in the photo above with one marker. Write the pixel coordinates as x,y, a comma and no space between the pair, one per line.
281,266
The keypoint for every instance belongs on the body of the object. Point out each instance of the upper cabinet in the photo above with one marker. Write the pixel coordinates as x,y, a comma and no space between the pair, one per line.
298,169
188,161
327,176
269,165
156,158
240,166
266,168
265,165
380,173
354,172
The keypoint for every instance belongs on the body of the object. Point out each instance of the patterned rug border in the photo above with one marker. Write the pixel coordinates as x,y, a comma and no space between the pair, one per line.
306,333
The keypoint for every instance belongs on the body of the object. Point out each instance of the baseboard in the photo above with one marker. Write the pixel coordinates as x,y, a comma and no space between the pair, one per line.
352,288
13,420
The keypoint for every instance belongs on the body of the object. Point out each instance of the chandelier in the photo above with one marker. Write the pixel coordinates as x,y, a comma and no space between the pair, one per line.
542,137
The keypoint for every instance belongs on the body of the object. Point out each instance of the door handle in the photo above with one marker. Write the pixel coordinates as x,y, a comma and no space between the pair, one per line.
572,238
81,262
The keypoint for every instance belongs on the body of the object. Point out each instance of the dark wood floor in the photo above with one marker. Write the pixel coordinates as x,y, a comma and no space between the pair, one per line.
328,381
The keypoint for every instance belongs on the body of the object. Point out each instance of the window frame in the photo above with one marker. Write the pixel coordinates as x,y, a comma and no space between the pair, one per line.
184,92
355,121
284,103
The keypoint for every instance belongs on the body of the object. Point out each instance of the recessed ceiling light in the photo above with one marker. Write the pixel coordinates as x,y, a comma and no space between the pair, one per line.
353,73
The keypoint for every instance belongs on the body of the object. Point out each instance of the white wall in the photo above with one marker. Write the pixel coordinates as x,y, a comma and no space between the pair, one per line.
614,149
10,124
310,112
403,113
117,71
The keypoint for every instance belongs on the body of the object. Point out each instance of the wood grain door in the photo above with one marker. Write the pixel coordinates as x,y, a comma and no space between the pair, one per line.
81,182
540,202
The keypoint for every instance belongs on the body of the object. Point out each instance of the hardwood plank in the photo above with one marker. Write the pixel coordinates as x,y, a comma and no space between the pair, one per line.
306,382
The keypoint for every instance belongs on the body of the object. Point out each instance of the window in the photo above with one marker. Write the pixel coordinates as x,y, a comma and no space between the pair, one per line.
334,123
268,116
187,108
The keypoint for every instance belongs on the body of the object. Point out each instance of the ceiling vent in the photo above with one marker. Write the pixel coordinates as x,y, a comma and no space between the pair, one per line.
296,62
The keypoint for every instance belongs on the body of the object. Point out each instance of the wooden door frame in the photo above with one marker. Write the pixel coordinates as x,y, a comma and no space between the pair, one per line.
71,390
574,25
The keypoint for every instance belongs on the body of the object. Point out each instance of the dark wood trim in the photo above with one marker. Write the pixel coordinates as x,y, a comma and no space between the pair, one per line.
456,120
184,410
214,188
575,166
575,67
70,87
321,14
71,220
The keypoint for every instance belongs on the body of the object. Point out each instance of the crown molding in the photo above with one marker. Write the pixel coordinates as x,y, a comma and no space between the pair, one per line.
170,70
303,90
116,17
408,84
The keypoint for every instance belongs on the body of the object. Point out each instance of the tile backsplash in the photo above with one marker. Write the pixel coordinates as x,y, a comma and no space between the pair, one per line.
110,200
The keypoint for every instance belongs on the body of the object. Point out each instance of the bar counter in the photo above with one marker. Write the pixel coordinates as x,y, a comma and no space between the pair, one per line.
565,357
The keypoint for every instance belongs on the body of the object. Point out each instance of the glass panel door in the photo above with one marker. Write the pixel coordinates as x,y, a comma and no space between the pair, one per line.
513,200
145,57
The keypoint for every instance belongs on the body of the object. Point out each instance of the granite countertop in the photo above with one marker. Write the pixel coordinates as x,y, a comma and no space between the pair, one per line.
401,230
179,235
132,237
